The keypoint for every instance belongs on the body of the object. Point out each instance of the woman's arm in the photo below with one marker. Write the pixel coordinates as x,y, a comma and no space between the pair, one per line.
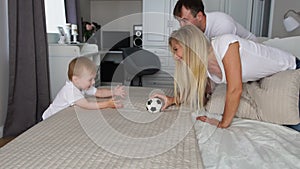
168,101
208,90
233,72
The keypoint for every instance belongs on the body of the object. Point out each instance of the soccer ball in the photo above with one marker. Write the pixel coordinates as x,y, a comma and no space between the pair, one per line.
154,105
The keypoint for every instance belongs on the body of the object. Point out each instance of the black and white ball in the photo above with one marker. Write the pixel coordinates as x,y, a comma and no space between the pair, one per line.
154,105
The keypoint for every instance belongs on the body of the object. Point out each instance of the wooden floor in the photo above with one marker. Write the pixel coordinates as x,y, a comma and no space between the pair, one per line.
4,141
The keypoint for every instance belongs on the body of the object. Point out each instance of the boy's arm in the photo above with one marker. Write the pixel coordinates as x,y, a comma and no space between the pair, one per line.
103,92
117,91
92,105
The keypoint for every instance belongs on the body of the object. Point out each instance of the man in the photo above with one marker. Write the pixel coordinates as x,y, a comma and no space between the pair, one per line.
211,23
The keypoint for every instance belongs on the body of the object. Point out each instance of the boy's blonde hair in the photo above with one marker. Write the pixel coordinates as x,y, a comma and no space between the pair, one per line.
78,65
191,72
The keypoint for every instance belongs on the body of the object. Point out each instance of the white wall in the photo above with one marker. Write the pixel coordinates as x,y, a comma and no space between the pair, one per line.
3,63
57,18
278,9
104,12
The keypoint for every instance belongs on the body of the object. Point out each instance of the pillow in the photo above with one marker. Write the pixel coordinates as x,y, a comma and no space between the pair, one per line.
247,107
290,44
272,99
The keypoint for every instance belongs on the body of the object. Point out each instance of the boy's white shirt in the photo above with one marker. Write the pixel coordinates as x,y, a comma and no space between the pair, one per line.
67,97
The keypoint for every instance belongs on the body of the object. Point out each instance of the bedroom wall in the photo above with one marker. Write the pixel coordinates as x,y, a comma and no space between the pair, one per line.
85,9
104,12
3,63
278,9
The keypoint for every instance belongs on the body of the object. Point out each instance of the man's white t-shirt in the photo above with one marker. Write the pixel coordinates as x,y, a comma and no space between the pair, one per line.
66,97
257,60
218,23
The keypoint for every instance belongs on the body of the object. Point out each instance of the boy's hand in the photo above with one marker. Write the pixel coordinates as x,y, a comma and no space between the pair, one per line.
113,103
119,91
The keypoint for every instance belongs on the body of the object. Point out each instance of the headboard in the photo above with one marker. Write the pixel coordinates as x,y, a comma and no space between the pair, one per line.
290,44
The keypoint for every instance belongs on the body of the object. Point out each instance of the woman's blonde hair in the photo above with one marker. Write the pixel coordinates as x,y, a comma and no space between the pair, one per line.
191,72
78,65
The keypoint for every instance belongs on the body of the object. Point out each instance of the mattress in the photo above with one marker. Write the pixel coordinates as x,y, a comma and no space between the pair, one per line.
126,138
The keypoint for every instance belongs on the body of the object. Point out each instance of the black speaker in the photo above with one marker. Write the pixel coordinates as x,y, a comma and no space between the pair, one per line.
137,36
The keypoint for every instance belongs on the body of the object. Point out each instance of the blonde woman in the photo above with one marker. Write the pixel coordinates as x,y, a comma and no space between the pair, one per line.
226,59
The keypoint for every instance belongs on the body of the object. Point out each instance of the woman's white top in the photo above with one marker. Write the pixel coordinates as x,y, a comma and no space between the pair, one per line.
218,23
257,60
66,97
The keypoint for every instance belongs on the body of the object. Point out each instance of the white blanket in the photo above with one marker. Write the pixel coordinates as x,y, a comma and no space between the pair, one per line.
248,144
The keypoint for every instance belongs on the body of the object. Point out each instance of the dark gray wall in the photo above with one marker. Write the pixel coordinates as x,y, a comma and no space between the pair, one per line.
85,9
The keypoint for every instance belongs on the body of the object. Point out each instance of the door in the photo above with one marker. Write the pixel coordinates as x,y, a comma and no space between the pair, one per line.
240,10
214,5
155,22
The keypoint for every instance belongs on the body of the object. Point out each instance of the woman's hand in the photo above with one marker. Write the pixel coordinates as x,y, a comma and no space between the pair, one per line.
168,101
213,121
206,119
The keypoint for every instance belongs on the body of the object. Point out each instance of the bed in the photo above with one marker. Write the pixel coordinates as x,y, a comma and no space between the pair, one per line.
133,138
128,138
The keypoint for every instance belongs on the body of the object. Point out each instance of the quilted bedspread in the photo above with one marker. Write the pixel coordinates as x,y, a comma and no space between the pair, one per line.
126,138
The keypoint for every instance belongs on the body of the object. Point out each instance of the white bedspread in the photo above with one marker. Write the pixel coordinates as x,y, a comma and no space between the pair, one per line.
248,144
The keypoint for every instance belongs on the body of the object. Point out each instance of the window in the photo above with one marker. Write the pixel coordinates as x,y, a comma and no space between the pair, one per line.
55,15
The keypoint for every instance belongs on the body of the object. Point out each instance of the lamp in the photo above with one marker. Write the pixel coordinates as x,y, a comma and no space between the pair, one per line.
290,22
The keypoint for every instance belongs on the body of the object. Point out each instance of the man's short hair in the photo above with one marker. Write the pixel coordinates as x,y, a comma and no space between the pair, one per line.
195,6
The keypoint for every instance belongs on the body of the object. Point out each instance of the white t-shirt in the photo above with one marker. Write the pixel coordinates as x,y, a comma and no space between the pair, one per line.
66,97
257,60
218,23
